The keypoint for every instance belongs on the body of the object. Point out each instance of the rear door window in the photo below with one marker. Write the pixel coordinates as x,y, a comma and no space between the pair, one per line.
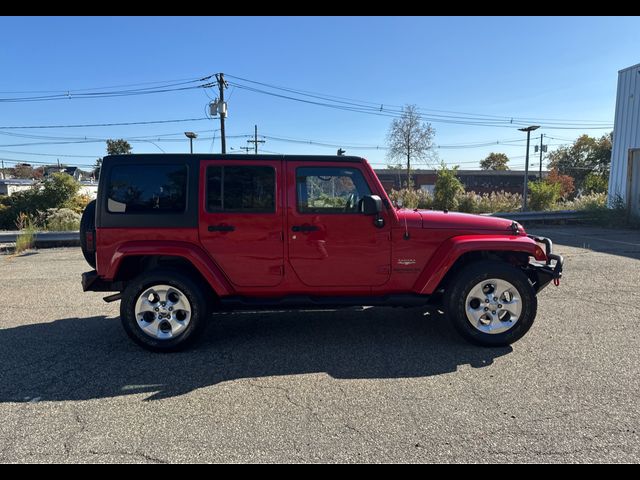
242,189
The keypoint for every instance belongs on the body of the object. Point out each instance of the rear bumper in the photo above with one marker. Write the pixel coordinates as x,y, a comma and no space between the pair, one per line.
551,270
92,282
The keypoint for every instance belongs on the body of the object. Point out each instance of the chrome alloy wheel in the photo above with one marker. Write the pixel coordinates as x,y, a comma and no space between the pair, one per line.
163,312
493,306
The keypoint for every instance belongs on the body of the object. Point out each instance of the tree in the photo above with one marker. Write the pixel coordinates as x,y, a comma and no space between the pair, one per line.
587,154
97,167
118,147
495,161
409,139
567,184
447,189
23,170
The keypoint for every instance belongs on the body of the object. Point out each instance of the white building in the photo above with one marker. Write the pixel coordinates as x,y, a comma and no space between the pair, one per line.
624,181
89,188
13,185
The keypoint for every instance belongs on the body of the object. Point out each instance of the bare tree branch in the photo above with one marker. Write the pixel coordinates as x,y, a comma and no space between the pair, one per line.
410,139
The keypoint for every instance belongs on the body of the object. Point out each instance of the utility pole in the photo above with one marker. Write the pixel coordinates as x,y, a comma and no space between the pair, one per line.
526,167
543,148
246,149
255,140
3,177
222,110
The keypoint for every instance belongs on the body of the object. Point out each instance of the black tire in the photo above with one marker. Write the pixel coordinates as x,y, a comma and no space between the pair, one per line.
200,309
468,278
87,224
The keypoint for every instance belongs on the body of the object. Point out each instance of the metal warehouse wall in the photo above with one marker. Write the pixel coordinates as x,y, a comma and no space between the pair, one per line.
626,132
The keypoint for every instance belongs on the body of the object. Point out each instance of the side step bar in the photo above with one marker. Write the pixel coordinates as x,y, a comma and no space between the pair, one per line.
299,302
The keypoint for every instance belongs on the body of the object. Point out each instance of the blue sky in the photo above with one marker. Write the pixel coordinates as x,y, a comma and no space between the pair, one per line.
560,71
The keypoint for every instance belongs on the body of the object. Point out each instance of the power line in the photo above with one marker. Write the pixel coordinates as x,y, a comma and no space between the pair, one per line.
383,106
69,95
156,82
112,124
375,108
50,154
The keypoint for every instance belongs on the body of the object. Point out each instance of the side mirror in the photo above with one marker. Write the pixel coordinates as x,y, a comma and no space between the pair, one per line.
371,205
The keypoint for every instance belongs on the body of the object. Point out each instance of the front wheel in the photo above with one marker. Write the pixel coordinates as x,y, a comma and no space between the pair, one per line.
491,304
163,310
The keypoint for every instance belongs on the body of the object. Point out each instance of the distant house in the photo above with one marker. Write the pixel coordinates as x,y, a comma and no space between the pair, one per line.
51,169
78,174
479,181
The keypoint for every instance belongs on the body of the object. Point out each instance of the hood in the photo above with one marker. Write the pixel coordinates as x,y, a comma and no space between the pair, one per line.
457,221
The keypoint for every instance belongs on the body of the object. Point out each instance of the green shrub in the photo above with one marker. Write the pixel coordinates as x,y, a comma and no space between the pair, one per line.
57,191
595,183
26,238
495,202
62,220
78,203
544,195
468,202
448,188
6,215
411,198
592,201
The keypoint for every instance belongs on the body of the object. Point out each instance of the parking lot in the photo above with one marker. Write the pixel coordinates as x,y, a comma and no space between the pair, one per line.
379,385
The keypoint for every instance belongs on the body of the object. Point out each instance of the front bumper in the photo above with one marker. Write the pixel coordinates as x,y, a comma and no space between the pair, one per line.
544,273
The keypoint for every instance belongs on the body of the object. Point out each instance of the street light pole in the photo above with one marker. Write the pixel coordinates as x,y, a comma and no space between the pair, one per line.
526,167
191,136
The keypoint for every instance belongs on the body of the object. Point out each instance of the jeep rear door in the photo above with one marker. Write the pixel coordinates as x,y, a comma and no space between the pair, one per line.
241,220
330,243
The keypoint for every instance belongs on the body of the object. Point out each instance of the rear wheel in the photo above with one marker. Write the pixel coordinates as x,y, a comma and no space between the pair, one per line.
163,311
491,304
88,224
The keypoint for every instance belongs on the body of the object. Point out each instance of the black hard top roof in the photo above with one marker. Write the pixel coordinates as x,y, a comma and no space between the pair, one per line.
163,157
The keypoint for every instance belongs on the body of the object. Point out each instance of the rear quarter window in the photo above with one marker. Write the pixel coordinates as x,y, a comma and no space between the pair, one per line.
147,189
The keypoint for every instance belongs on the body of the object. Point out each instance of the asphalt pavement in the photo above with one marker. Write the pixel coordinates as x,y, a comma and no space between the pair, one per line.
379,385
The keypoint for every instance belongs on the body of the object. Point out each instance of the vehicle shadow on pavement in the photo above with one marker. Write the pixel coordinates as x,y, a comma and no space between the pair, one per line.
91,358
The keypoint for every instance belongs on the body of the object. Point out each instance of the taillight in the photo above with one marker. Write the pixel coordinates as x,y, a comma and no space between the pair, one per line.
90,239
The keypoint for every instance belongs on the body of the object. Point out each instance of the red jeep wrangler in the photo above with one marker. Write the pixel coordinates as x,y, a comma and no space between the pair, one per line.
180,236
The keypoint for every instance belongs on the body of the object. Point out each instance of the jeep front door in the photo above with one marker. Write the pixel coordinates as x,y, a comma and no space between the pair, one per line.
330,242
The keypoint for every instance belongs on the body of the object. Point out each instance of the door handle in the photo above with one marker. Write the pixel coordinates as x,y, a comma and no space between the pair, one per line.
221,228
304,228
